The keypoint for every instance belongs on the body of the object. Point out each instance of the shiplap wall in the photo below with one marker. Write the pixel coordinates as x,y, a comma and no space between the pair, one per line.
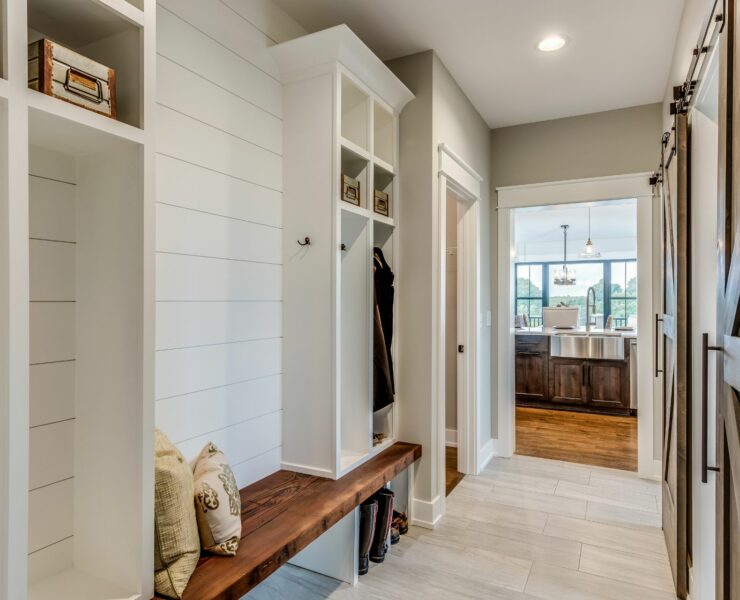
219,229
52,232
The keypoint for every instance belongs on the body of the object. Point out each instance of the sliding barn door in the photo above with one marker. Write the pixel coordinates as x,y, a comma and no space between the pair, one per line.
675,356
728,316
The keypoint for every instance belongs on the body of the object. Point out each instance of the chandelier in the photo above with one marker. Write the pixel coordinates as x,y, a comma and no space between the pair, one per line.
565,276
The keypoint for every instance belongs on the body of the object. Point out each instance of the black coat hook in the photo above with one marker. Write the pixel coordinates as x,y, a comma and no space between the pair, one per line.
305,242
343,247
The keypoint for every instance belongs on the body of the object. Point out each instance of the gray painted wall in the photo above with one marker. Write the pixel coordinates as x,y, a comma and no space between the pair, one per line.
614,142
440,113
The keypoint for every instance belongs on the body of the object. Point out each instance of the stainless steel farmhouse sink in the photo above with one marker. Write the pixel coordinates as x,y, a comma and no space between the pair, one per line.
594,347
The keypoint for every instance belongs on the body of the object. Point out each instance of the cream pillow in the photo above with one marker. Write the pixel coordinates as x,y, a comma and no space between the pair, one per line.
217,502
177,546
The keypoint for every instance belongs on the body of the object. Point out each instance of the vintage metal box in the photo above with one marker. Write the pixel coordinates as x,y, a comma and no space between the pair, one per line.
62,73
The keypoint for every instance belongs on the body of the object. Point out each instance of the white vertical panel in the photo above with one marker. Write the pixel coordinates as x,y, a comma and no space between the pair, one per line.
52,331
52,271
51,510
52,394
51,454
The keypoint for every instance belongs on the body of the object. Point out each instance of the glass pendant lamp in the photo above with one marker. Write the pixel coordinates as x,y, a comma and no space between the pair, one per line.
589,251
565,276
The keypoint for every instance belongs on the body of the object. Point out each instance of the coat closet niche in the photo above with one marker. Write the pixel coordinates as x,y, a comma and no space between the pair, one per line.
78,211
341,107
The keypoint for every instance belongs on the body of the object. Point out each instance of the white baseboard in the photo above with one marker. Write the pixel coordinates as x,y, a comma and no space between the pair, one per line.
426,514
486,454
451,438
652,471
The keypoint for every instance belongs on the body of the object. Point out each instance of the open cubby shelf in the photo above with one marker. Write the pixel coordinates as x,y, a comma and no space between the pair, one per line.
331,359
107,31
82,305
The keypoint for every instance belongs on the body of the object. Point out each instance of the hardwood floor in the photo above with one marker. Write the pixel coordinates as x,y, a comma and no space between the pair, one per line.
592,439
525,529
452,475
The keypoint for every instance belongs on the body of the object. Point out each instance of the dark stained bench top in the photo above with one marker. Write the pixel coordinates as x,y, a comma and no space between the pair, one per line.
283,513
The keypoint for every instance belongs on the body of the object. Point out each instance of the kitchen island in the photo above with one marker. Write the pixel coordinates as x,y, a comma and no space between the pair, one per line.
574,369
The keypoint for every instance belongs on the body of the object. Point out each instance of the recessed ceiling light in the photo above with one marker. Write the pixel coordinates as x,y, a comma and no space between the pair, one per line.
552,43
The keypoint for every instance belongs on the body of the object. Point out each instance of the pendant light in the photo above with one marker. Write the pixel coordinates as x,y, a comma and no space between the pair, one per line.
589,251
565,276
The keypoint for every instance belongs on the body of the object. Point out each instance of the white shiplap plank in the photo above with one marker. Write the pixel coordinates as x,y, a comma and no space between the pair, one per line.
192,369
269,18
186,324
216,107
52,331
257,467
185,45
52,165
52,395
185,231
239,442
221,23
186,417
51,210
195,142
183,184
51,454
50,514
52,271
50,560
192,278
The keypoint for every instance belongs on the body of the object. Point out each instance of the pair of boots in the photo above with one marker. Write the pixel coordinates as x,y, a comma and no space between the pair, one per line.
376,515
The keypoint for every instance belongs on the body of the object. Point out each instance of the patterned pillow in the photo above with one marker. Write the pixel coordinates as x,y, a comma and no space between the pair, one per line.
177,547
217,502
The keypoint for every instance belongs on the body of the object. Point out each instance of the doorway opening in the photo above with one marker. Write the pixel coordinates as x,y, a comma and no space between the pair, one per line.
592,369
453,349
575,295
459,195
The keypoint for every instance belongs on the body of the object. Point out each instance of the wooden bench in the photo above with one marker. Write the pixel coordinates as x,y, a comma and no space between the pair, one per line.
283,513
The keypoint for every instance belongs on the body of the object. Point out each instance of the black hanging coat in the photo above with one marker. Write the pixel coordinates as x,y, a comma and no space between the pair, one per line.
383,377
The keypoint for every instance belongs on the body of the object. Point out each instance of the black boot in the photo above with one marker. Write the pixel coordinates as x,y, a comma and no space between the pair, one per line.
368,516
384,498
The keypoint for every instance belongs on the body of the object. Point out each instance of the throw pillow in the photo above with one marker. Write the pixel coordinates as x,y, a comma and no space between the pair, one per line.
217,502
177,546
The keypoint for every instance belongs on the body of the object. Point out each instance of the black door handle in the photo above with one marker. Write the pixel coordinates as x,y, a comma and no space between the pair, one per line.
705,348
655,349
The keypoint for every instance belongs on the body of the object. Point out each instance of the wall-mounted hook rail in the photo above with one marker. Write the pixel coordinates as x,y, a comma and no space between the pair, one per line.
306,241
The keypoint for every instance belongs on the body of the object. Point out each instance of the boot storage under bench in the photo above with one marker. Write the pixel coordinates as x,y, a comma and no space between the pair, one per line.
283,513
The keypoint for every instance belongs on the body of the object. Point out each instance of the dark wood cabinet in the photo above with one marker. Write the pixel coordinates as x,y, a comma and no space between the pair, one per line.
532,354
583,384
607,384
568,381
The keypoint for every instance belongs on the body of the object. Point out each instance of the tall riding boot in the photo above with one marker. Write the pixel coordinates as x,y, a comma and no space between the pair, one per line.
368,516
384,497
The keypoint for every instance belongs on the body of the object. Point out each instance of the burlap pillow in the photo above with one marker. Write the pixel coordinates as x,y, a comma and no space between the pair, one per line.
217,502
177,546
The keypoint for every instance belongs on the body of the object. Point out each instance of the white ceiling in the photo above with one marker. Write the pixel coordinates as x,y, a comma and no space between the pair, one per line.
619,53
538,236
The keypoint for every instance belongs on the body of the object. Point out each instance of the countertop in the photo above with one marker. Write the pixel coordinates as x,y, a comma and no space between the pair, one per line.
550,331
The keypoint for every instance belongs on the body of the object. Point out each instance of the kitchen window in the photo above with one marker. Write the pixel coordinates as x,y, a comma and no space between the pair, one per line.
536,287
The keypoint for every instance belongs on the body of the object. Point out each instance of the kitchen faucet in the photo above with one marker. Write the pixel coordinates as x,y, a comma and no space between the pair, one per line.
591,292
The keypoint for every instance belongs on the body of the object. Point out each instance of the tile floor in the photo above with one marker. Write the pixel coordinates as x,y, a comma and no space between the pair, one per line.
525,529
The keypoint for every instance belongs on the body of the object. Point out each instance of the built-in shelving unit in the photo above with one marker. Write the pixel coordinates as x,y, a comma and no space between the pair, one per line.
341,107
77,329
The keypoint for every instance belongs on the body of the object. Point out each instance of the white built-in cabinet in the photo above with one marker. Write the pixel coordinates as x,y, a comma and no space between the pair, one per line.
77,311
340,116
